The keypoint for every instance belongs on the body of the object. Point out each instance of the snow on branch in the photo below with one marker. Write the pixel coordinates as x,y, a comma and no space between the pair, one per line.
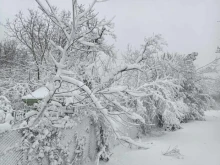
130,141
87,43
117,89
87,10
125,68
51,14
129,113
87,37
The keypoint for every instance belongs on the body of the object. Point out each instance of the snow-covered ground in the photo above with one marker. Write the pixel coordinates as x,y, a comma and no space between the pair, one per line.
198,143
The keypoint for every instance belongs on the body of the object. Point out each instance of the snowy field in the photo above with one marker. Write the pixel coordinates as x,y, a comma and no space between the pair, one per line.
198,143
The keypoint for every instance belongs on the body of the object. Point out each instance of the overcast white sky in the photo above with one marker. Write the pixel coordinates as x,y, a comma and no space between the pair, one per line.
187,25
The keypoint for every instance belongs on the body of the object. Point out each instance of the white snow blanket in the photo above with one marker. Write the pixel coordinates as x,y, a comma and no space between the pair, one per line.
198,143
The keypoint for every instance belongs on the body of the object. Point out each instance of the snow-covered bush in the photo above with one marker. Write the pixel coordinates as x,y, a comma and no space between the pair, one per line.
170,120
158,82
5,104
14,92
103,134
6,119
44,140
169,82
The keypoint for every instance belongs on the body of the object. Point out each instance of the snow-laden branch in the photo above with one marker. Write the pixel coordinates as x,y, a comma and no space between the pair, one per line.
56,46
130,141
86,38
125,68
102,23
129,113
104,111
87,43
117,89
86,11
51,14
58,64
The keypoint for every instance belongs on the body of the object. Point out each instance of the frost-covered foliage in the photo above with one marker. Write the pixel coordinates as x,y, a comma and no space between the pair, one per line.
6,118
78,61
5,104
32,33
16,73
103,134
44,140
208,81
14,92
193,97
169,82
85,79
81,79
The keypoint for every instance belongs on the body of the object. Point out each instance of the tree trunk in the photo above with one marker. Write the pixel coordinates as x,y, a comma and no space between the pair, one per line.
38,73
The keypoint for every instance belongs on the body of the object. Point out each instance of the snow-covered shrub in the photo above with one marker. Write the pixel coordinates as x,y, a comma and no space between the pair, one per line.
197,103
156,79
103,134
169,81
14,93
192,101
6,118
170,121
170,116
181,110
2,116
79,149
5,104
44,140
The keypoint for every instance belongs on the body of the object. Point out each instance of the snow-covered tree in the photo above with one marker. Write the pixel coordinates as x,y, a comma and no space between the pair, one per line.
15,69
32,33
170,81
85,79
83,76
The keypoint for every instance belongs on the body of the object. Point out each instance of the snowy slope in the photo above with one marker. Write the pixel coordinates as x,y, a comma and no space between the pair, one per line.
198,142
